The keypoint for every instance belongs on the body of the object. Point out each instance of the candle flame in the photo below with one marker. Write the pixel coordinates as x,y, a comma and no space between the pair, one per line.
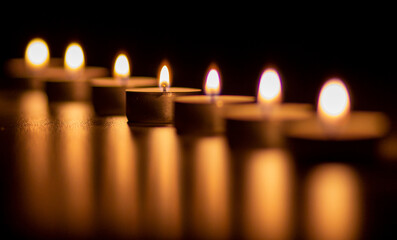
333,103
164,78
121,67
37,54
74,57
212,84
269,90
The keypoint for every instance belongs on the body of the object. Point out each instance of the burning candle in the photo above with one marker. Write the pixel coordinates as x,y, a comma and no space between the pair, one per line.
74,61
262,124
154,105
37,55
336,133
70,84
108,94
27,72
333,107
202,114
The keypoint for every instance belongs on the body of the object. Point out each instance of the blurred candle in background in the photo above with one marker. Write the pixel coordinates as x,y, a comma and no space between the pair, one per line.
74,61
263,123
336,133
333,107
108,93
71,83
37,55
121,70
269,91
203,114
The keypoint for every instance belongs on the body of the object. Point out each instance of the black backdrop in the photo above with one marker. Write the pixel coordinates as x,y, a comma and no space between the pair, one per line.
307,47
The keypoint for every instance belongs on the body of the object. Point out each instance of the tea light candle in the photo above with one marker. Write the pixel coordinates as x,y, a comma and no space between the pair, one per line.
26,73
108,94
336,133
202,115
70,83
261,124
154,105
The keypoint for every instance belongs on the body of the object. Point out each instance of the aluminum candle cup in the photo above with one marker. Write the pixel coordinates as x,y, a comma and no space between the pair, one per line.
108,94
67,88
74,84
248,126
336,133
27,72
153,106
202,115
23,77
17,67
356,140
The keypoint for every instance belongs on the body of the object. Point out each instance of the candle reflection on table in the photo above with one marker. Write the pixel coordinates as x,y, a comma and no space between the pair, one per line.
333,203
119,199
33,105
161,201
75,189
208,187
38,205
267,204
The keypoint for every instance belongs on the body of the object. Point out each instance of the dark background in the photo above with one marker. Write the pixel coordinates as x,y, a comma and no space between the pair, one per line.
307,44
357,44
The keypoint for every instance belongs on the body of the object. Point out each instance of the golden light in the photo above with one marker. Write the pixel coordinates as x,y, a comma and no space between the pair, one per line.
267,199
333,103
269,90
37,54
74,57
213,82
333,199
121,67
164,78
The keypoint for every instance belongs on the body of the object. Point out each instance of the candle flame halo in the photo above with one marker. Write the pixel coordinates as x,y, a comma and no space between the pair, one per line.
269,90
164,78
74,57
121,66
213,82
334,102
37,54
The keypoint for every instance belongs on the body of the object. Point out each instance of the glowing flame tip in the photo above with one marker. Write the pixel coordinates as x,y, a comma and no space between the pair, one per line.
269,90
37,53
164,78
74,57
212,84
121,66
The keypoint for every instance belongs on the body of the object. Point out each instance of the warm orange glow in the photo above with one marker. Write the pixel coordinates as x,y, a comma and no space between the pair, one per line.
333,209
121,67
269,90
74,57
210,188
268,194
162,205
164,78
213,82
37,54
333,103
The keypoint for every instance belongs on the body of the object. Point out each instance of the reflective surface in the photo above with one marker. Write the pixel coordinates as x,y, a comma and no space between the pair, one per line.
68,173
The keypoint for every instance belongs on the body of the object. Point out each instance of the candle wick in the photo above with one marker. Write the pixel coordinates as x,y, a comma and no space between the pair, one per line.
267,110
124,81
164,86
212,98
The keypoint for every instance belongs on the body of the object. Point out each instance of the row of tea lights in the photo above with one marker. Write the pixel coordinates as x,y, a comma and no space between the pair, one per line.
260,121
